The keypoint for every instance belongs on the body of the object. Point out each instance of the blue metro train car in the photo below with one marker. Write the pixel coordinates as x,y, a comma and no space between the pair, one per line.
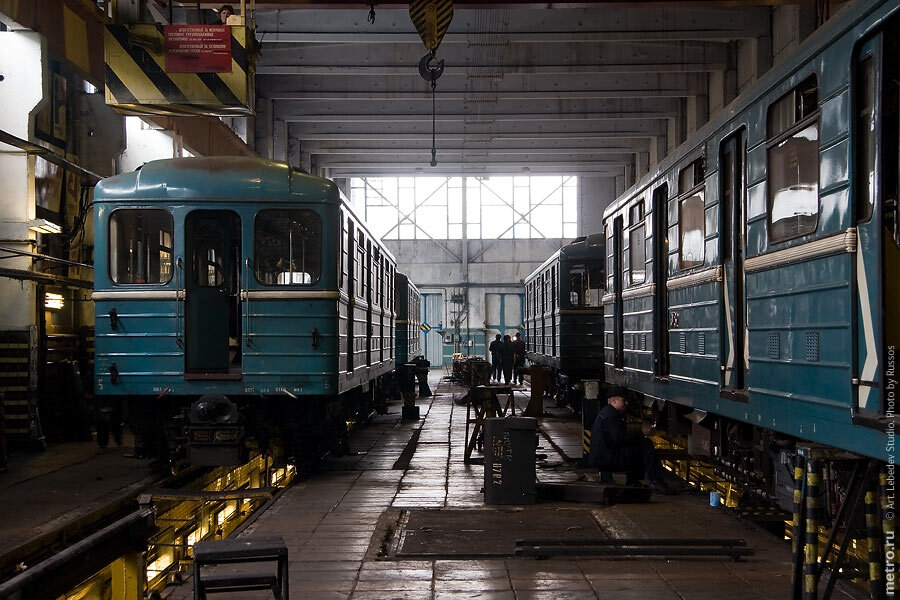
409,310
753,274
564,317
238,300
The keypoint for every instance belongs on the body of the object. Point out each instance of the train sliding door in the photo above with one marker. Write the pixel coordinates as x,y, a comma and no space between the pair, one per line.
618,318
211,315
733,326
660,275
876,123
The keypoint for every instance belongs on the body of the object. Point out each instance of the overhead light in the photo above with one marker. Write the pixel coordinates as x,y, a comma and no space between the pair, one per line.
53,301
44,226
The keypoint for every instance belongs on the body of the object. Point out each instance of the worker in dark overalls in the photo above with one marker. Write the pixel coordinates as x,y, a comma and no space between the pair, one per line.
496,361
614,448
519,344
507,358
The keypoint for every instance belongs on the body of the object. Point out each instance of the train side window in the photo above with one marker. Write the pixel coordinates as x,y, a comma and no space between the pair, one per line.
359,267
288,246
691,212
793,163
637,256
865,127
140,246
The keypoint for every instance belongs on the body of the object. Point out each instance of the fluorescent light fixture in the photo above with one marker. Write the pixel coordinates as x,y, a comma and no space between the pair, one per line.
44,226
54,301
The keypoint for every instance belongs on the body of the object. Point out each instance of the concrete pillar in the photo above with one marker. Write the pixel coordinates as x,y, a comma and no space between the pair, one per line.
696,112
306,162
292,148
675,128
594,195
642,164
662,145
22,90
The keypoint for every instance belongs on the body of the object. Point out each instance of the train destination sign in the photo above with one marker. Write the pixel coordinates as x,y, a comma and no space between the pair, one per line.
198,48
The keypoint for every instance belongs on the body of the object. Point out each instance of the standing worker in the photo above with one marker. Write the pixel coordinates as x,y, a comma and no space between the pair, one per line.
507,358
226,11
614,448
496,361
519,345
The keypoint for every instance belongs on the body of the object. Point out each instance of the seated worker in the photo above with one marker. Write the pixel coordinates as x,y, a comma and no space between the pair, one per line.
614,448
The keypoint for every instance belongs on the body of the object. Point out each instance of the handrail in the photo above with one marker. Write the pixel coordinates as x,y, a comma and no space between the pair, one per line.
247,302
179,296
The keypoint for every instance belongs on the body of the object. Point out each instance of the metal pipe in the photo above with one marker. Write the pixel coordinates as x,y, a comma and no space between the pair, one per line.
63,261
46,568
49,155
617,542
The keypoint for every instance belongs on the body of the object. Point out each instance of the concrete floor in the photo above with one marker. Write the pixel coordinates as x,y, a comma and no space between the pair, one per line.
43,491
340,524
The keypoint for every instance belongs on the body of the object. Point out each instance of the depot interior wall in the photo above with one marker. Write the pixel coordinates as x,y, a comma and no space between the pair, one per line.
495,267
24,86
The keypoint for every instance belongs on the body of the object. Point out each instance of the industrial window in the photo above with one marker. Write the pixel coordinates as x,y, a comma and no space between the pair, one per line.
425,208
585,285
793,163
691,221
140,246
288,247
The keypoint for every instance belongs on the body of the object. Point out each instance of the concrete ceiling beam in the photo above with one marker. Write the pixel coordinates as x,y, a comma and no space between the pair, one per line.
454,118
472,136
494,71
612,23
510,87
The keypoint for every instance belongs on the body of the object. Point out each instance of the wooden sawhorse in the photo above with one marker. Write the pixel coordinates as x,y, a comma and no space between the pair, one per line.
482,400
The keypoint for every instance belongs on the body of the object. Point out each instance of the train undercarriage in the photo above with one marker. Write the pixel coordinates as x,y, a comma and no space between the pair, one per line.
217,429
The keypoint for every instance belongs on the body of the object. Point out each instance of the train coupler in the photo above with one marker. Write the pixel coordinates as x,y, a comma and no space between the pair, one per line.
215,433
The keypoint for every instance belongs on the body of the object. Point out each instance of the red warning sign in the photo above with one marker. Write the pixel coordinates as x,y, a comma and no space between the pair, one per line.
198,48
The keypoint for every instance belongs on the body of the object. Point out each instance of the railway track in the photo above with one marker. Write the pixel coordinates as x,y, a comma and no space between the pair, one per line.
152,528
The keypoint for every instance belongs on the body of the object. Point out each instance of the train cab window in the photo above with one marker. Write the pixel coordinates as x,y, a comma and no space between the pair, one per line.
585,285
637,257
793,163
288,247
140,246
691,211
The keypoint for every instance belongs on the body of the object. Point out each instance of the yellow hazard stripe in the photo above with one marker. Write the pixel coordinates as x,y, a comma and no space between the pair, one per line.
138,83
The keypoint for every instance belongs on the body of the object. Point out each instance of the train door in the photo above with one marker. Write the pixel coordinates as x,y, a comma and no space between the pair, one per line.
733,326
353,281
660,275
554,313
211,315
370,297
876,123
431,342
618,321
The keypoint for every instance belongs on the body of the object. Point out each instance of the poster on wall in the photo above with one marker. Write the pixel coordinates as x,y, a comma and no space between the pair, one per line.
48,186
198,48
50,124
